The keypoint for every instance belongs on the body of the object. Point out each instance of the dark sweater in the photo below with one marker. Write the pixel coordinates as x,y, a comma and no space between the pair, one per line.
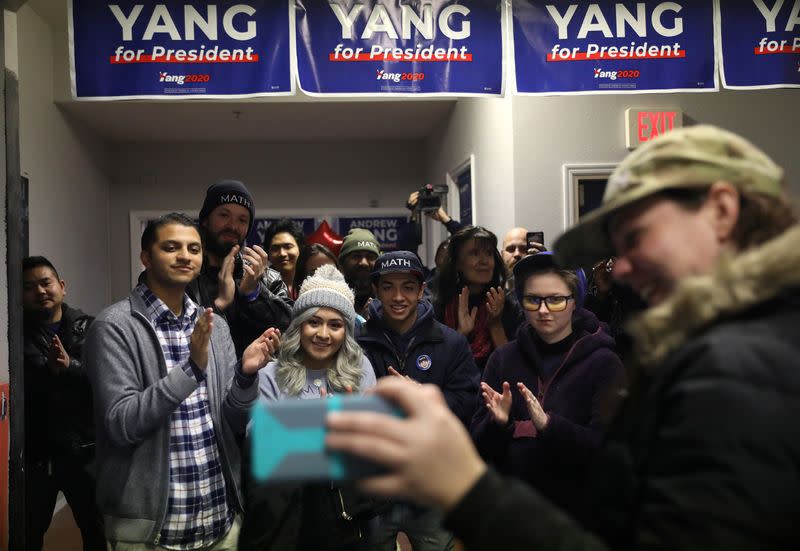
555,460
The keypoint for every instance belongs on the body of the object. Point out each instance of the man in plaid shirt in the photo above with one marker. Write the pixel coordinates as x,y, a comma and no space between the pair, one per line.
171,400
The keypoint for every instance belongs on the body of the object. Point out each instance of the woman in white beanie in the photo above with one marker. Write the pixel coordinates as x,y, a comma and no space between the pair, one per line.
318,357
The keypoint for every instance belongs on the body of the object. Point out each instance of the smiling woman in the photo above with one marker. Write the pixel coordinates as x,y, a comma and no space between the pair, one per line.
469,296
318,358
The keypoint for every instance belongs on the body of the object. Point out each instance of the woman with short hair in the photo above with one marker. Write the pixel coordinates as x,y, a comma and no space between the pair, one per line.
543,393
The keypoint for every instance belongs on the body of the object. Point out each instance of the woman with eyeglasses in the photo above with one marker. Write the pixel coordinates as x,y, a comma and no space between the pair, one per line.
543,393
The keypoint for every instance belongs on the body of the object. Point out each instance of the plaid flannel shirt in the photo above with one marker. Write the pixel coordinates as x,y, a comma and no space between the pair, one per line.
198,512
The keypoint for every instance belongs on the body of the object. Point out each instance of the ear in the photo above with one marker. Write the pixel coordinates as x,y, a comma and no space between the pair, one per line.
421,290
63,286
144,256
722,206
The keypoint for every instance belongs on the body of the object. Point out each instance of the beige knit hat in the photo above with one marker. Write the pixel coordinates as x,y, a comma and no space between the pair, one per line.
326,287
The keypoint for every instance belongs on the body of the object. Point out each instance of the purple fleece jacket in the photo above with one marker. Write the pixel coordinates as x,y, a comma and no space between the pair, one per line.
555,460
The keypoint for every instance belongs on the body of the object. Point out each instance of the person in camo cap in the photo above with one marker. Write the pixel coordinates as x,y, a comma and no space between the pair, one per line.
702,453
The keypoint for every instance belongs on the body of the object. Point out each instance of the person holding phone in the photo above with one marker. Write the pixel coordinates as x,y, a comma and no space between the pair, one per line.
702,453
235,280
318,358
541,417
469,294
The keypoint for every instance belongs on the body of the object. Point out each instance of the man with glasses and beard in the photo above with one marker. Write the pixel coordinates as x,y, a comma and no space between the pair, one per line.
235,279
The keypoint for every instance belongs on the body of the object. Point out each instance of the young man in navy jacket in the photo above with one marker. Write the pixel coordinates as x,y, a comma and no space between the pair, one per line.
403,339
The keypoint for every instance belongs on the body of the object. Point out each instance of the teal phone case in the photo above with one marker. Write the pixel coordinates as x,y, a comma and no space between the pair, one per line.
288,440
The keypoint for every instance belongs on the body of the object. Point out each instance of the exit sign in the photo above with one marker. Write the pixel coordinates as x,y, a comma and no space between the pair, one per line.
643,125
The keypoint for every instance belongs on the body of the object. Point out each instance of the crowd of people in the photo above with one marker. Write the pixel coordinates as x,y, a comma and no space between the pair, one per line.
650,405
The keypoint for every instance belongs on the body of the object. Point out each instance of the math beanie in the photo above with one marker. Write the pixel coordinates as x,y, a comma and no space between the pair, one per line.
359,239
226,192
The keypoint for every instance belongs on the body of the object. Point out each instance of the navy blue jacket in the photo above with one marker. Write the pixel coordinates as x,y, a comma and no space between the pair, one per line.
434,354
556,460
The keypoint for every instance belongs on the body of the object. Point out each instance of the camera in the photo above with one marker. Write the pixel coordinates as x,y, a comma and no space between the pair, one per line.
430,198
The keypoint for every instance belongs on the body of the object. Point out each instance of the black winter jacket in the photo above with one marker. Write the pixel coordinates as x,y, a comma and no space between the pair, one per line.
58,408
705,452
246,319
435,354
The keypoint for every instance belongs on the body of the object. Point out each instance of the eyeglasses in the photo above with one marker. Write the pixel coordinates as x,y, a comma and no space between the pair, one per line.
554,303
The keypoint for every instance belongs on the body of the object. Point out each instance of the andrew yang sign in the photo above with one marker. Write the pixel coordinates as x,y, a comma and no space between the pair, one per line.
613,47
760,43
150,49
376,47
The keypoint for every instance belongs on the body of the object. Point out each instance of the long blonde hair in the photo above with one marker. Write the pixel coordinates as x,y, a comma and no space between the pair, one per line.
345,371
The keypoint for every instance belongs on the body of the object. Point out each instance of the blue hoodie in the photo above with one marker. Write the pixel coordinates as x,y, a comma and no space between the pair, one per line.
429,352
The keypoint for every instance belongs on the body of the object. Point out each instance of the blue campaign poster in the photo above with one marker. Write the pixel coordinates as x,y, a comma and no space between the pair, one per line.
613,47
452,47
260,225
387,229
760,43
181,48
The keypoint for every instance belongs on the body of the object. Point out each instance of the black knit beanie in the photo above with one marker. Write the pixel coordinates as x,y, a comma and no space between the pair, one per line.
225,192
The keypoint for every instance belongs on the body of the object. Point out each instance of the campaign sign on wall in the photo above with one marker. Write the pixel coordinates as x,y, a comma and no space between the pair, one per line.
760,43
179,48
260,225
613,47
387,229
378,47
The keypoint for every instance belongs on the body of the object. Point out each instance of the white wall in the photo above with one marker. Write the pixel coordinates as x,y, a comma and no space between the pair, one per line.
483,127
552,131
67,166
280,175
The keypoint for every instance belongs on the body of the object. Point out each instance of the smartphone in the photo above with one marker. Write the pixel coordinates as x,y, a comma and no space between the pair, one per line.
534,237
287,440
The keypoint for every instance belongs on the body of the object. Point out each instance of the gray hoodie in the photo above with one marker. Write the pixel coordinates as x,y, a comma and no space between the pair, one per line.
134,398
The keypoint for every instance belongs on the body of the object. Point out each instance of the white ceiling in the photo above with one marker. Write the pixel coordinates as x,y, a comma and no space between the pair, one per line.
263,120
292,118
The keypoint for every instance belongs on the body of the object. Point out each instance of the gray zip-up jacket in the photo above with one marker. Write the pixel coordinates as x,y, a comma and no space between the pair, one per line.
134,398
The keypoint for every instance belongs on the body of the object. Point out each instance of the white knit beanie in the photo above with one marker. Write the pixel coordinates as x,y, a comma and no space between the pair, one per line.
326,287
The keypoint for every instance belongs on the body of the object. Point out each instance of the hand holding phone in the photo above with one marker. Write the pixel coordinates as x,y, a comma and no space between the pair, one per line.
535,240
288,440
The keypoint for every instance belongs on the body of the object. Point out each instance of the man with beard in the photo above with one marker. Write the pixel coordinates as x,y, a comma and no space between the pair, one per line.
59,432
235,279
360,250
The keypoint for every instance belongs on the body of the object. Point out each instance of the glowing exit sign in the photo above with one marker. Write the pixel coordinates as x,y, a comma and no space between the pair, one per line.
643,125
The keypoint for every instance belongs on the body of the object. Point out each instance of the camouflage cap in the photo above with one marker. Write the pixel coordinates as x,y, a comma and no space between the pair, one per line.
695,156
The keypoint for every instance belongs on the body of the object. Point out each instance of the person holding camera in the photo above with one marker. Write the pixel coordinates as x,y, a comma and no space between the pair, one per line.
431,206
235,280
